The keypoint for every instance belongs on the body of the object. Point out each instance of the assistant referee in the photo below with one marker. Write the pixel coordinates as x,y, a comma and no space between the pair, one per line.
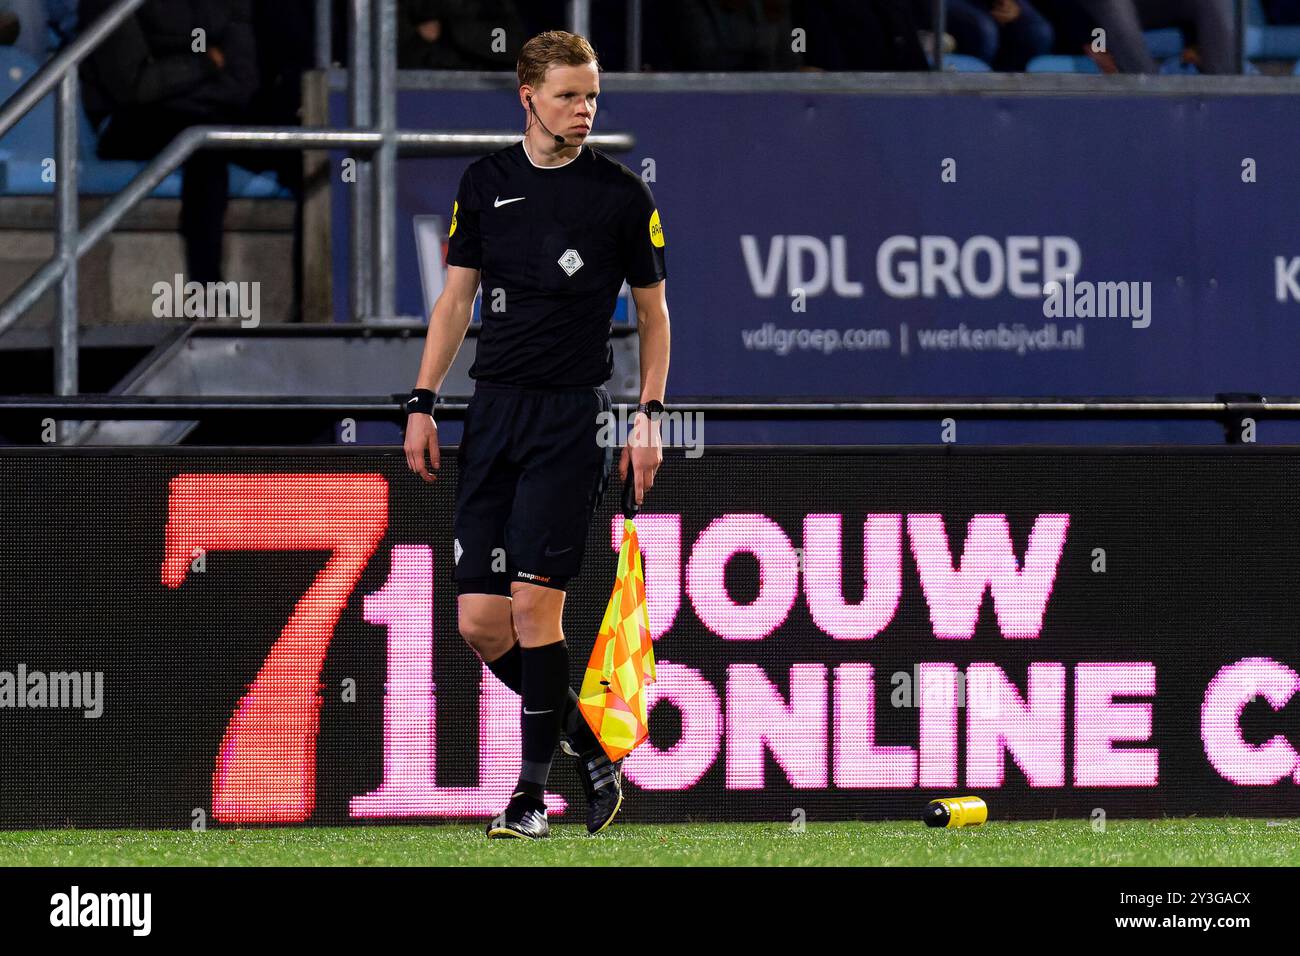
551,228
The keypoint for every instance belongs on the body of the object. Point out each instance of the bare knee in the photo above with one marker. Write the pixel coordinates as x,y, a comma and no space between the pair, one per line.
538,613
484,622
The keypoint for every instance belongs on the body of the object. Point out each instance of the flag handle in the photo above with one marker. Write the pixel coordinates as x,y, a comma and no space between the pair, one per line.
629,494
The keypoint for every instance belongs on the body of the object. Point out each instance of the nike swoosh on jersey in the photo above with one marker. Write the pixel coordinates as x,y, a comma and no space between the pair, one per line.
499,202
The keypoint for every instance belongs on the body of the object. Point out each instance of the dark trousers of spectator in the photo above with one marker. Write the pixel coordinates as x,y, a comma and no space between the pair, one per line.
1004,47
204,184
142,135
1124,21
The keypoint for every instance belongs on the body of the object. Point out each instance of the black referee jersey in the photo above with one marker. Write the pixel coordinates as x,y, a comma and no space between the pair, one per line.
554,245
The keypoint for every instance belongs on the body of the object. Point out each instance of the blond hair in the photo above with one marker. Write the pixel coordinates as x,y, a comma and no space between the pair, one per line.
552,48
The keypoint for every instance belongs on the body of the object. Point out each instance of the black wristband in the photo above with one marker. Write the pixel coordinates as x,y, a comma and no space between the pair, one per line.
652,408
421,401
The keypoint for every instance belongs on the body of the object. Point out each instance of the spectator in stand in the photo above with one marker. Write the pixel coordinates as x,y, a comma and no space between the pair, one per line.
1006,34
155,77
458,35
284,34
1282,11
1124,21
860,35
734,35
1071,26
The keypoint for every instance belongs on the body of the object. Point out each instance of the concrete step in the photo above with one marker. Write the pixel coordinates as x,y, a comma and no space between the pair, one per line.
116,282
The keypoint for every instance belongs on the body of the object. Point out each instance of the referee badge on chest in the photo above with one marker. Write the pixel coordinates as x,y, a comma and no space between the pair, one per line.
570,262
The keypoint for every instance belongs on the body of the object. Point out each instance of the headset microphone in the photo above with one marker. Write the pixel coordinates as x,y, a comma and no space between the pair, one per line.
559,140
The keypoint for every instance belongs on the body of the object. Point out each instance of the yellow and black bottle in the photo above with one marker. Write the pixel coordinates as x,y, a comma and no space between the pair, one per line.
954,812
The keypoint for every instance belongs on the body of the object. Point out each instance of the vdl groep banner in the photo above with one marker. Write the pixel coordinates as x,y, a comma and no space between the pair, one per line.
846,244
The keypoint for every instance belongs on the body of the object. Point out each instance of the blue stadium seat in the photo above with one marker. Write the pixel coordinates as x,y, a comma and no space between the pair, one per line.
1053,63
1164,43
26,147
246,184
1278,43
961,63
1174,65
99,177
1268,42
34,133
1263,40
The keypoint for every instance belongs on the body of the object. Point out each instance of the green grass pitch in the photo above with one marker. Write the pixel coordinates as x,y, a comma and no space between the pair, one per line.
1169,842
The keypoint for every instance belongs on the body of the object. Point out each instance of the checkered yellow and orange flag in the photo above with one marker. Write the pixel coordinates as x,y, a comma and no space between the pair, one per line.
613,695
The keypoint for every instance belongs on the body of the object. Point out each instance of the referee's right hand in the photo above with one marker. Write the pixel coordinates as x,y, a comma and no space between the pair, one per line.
422,436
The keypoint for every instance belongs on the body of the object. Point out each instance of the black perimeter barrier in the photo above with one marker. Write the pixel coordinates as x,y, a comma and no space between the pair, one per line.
231,420
267,635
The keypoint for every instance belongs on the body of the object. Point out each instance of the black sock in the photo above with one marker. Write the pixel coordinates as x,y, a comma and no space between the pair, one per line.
509,670
545,688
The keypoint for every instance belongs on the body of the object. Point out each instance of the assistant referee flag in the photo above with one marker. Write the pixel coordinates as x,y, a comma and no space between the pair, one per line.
613,695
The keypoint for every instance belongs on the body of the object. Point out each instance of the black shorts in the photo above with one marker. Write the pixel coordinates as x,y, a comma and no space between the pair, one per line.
531,473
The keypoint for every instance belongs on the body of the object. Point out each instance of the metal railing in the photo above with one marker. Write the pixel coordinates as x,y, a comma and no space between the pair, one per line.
1224,408
375,138
61,71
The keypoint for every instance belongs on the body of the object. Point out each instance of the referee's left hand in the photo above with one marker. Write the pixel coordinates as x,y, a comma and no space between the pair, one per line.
422,437
644,450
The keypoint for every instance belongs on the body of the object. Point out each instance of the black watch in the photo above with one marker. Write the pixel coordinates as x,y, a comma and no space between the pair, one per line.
653,408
